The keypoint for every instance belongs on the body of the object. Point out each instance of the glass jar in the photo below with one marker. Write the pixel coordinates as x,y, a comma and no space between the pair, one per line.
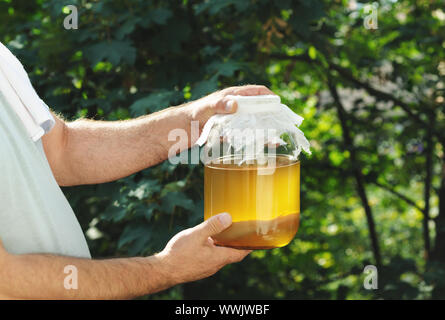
264,204
255,179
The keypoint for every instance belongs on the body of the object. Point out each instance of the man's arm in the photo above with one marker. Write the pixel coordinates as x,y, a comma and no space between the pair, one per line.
89,152
41,276
189,256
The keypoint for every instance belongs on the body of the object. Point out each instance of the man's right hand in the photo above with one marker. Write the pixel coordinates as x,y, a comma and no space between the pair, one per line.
191,254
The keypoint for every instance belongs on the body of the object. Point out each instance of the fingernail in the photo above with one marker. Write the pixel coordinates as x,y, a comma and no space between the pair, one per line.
229,105
225,219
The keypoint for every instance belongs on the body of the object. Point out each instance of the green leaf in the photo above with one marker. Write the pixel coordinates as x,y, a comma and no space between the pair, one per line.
224,68
114,213
204,87
148,212
169,38
214,6
115,51
154,102
138,235
312,52
176,199
210,50
158,16
126,28
145,189
172,187
197,214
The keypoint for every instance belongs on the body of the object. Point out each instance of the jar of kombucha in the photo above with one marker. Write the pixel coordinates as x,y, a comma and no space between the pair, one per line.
252,172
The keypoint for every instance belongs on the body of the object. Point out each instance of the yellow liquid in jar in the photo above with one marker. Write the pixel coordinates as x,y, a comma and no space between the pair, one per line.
264,202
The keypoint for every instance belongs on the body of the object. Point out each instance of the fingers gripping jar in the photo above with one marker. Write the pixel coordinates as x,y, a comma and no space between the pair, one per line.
252,172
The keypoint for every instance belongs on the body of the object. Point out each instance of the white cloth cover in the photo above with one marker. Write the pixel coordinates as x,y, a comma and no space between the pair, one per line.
259,121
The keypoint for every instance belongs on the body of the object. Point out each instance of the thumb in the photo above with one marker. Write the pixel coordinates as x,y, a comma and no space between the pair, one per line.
226,105
214,225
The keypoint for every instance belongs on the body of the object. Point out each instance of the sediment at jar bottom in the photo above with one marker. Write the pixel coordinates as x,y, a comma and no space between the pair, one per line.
260,234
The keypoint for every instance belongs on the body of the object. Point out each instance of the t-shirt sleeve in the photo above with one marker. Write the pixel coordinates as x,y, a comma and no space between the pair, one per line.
18,90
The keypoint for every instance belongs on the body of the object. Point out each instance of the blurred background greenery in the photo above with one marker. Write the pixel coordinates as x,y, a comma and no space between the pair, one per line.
372,192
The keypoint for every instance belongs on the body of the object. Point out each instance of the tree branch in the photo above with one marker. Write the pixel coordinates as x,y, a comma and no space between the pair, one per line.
381,95
356,171
399,195
301,57
439,245
427,186
347,74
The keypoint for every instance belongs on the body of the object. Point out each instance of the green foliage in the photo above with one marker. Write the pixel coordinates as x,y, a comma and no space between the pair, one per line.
130,58
153,102
114,51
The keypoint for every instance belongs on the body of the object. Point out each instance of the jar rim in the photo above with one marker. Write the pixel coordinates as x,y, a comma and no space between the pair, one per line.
211,162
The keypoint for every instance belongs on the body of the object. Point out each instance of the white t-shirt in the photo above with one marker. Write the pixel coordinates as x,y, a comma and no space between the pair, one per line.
35,216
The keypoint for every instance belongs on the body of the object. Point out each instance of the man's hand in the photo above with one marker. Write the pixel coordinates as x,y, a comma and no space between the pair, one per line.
191,254
218,102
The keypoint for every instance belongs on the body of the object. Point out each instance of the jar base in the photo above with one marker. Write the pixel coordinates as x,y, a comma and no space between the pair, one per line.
259,234
250,247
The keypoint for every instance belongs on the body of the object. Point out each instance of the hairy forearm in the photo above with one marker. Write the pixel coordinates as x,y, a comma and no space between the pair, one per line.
102,151
89,152
41,276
